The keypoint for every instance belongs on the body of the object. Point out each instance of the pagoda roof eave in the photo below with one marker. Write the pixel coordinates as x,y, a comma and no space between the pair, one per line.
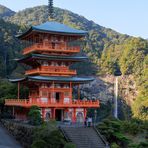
54,78
54,28
17,80
57,58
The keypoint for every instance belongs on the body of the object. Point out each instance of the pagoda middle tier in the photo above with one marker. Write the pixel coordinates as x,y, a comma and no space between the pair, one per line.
42,64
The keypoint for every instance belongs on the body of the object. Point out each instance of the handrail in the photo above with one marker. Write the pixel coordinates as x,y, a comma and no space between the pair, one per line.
102,137
51,70
44,47
73,102
33,101
64,134
27,103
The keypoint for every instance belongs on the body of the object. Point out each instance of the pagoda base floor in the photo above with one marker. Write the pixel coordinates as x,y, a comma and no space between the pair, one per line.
58,114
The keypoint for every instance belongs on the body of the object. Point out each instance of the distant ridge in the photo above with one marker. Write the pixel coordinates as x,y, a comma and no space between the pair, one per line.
5,12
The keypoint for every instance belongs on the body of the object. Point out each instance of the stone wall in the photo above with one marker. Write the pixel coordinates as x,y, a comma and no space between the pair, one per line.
22,133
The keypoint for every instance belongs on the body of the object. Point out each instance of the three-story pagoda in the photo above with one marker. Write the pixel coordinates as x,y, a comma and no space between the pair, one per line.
49,53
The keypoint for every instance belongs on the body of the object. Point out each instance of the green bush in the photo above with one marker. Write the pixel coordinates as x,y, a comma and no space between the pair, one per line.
133,145
49,135
55,139
143,145
140,145
134,126
35,116
114,145
130,127
39,144
121,138
112,130
120,132
70,145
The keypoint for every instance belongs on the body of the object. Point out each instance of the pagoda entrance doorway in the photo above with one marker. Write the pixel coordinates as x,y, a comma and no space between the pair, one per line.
47,116
58,114
80,117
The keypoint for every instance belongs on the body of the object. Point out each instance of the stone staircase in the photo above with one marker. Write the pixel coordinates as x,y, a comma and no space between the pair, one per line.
84,137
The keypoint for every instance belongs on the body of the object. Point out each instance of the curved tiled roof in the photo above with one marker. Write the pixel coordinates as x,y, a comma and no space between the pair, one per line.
54,27
54,57
52,78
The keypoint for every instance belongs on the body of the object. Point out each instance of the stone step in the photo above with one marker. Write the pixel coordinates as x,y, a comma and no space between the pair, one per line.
84,137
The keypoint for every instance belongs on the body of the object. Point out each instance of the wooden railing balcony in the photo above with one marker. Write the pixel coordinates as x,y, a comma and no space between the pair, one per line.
38,47
51,70
54,89
74,104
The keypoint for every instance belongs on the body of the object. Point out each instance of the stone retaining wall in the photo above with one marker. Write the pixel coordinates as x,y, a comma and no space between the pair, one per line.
22,133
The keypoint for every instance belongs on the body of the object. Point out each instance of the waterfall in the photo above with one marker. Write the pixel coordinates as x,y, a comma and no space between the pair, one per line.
116,98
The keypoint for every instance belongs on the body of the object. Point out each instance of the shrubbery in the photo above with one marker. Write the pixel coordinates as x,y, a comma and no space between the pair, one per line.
35,116
140,145
116,132
112,130
48,136
70,145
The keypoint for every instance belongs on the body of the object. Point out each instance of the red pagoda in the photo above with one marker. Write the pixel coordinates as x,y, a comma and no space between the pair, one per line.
50,51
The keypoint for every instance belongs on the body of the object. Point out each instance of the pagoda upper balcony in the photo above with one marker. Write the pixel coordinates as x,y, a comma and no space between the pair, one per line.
73,104
39,48
51,70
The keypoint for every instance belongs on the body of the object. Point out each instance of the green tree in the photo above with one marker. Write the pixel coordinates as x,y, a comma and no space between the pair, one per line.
49,136
70,145
35,115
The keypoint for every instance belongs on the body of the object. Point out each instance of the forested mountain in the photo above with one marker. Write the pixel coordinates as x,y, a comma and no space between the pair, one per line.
99,37
9,47
107,49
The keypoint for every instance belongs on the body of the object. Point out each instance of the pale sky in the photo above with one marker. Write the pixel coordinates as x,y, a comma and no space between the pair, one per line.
125,16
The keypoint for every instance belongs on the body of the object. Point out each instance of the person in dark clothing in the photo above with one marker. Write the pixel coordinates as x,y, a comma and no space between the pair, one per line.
85,122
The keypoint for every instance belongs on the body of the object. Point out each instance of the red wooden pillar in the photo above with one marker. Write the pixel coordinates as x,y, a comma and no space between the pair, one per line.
53,91
74,115
53,113
85,113
18,90
62,115
43,113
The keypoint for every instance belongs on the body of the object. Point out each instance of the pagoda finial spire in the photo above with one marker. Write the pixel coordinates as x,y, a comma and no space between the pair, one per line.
50,9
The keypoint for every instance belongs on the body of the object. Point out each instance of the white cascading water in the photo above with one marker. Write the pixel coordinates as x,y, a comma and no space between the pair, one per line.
116,98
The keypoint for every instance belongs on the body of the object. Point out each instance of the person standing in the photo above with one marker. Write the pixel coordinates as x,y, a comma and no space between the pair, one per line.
85,122
89,121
